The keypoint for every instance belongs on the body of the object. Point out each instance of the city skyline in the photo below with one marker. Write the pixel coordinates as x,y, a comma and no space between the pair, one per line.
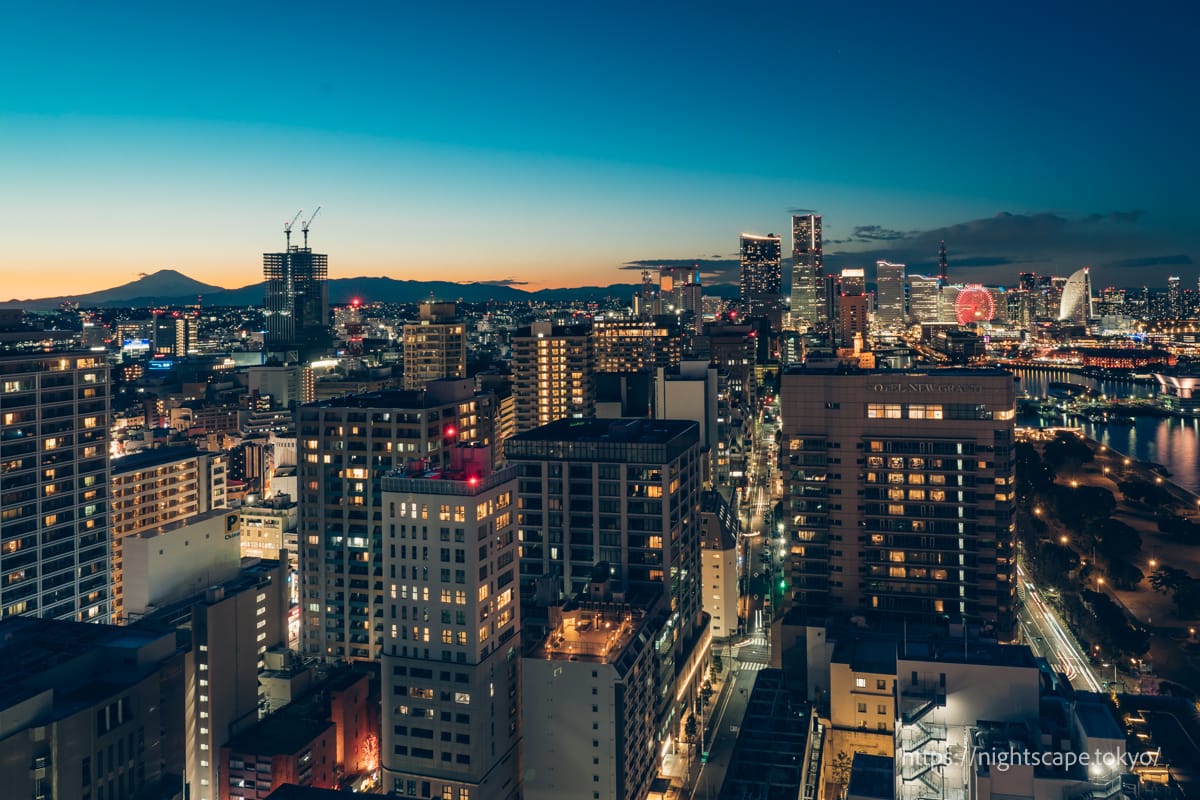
524,147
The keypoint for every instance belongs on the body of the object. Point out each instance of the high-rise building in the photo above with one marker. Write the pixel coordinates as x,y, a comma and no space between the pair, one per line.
762,274
296,300
176,333
553,374
925,298
54,432
898,494
157,488
623,492
1076,304
230,627
452,636
719,545
854,281
808,271
89,711
1174,298
435,347
617,503
889,296
347,445
852,319
594,685
631,345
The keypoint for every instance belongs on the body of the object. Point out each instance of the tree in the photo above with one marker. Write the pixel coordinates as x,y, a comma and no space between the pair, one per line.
1053,562
1167,579
691,729
1116,540
1080,507
1066,448
718,664
840,768
1123,574
1033,475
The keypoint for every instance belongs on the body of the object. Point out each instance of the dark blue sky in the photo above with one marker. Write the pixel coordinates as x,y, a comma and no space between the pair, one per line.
553,142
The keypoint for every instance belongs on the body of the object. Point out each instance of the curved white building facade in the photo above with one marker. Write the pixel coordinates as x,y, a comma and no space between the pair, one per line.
1077,298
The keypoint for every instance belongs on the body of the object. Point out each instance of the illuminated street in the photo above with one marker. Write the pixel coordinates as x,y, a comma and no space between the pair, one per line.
1049,638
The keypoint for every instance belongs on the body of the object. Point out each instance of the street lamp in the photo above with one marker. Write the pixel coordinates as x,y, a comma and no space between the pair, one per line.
1153,563
1074,484
1063,539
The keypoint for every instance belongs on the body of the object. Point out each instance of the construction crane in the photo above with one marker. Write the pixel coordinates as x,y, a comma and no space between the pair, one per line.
308,224
287,229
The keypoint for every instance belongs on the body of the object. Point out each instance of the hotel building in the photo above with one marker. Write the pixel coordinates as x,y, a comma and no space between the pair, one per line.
898,494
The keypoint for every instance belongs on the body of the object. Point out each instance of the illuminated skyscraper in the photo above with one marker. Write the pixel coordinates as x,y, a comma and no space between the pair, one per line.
762,274
553,374
1174,297
55,505
889,297
1076,303
808,271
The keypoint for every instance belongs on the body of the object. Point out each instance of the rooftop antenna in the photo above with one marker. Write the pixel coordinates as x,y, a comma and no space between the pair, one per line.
942,263
308,224
287,229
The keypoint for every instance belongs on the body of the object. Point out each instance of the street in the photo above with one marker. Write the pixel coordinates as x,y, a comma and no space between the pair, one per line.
1049,638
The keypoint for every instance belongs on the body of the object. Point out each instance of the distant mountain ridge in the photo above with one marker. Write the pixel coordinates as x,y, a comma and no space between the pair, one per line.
168,287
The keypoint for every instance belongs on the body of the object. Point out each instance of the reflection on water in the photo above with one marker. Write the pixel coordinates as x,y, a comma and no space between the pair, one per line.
1172,442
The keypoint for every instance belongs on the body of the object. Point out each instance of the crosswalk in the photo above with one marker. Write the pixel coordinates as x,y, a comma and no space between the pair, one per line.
754,654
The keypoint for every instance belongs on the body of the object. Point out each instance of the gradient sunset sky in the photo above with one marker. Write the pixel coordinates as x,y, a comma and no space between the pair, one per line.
553,144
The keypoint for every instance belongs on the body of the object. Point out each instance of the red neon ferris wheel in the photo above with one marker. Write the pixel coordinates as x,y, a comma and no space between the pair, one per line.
974,304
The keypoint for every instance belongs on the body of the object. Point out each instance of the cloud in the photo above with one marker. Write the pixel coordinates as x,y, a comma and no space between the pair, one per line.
878,233
1151,261
502,282
713,269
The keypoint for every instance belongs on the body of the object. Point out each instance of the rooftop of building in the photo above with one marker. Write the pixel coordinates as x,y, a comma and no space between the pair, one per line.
1098,721
555,330
828,368
865,652
596,632
279,734
969,652
148,459
442,392
768,757
619,431
36,654
871,776
195,519
466,482
179,613
290,791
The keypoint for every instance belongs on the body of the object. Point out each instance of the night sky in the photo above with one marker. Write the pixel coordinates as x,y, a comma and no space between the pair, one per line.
553,144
